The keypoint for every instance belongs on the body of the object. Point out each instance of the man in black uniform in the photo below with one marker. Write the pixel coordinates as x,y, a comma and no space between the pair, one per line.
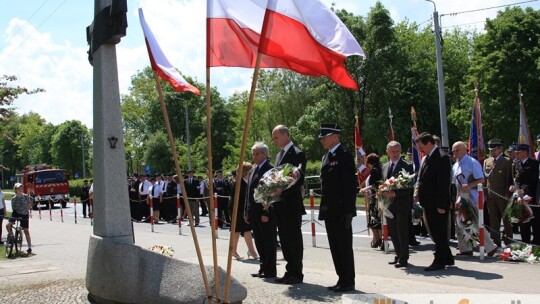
338,204
527,180
222,188
192,190
85,197
290,208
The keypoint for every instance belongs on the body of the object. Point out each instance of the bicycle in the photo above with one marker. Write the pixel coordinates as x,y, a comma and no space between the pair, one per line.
14,241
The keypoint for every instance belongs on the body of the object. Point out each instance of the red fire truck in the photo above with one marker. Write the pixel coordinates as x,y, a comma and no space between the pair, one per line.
44,184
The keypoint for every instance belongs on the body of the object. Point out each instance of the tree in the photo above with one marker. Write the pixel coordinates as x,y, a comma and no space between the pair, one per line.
66,145
507,56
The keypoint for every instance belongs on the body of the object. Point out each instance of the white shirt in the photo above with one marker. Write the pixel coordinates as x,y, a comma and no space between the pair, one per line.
156,190
144,187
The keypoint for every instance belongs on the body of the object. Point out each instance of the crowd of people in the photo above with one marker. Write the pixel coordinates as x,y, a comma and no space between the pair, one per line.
442,179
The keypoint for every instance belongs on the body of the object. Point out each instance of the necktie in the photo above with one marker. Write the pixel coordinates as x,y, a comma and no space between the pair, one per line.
390,171
280,157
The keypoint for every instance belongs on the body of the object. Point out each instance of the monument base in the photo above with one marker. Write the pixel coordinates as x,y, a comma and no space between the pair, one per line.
124,273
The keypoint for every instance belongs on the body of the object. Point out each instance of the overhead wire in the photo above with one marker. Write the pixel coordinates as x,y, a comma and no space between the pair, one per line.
37,28
21,27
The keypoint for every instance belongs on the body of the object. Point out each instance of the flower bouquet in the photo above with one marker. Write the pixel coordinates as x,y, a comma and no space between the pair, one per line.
273,182
518,210
417,214
403,181
521,253
467,219
165,250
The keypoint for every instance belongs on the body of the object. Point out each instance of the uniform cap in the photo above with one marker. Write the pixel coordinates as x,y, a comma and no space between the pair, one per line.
328,129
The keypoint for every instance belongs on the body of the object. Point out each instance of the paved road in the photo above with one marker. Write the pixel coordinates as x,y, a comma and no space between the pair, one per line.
56,273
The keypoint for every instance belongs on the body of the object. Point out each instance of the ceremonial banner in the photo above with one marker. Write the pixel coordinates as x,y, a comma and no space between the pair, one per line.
477,148
161,64
524,133
414,150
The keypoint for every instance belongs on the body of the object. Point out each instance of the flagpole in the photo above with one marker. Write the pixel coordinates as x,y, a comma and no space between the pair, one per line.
181,179
211,181
239,172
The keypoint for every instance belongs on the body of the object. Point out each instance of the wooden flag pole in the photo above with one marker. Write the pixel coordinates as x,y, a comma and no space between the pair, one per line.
239,173
181,179
211,181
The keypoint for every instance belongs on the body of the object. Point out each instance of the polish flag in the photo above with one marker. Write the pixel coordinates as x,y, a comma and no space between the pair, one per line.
310,35
161,64
233,31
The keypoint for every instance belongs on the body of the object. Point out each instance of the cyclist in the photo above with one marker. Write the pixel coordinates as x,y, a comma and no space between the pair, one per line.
21,204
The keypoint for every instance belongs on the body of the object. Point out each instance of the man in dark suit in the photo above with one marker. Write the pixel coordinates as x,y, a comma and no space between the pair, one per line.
338,204
262,220
222,188
85,196
192,190
400,208
290,208
432,190
527,180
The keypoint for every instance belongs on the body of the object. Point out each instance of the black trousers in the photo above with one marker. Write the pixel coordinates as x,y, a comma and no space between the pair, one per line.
144,207
398,227
223,211
438,226
525,229
290,237
265,241
340,240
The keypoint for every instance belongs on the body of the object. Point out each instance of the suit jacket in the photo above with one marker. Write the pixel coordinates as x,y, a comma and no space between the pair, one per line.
433,185
403,197
338,185
292,199
527,177
192,188
254,210
498,176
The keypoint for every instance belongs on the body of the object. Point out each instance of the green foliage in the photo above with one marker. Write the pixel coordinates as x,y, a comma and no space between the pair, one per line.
67,144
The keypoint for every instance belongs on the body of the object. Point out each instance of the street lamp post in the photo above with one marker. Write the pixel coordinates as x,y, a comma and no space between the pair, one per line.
440,77
2,161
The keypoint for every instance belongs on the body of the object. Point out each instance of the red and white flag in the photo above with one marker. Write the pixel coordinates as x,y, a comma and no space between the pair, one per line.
161,64
309,34
233,31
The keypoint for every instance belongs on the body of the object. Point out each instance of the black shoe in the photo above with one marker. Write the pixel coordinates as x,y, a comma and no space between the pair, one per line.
395,261
343,288
450,262
434,267
332,287
414,243
400,265
376,244
257,275
292,280
282,279
464,253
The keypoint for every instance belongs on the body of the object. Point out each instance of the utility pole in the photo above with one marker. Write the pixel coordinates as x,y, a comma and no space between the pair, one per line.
187,137
82,148
440,77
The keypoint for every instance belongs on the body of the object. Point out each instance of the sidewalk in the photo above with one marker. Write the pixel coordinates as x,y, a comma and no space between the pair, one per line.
56,274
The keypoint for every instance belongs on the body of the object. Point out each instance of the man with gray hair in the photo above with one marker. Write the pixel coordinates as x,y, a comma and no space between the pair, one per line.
290,208
401,205
262,220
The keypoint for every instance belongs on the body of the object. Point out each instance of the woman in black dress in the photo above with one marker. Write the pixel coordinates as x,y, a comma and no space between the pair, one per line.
242,228
372,184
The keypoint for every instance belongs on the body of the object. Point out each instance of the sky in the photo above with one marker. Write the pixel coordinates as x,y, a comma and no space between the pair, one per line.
43,43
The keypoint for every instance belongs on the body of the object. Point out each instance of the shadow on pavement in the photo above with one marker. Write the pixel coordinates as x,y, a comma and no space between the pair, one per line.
314,293
454,271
